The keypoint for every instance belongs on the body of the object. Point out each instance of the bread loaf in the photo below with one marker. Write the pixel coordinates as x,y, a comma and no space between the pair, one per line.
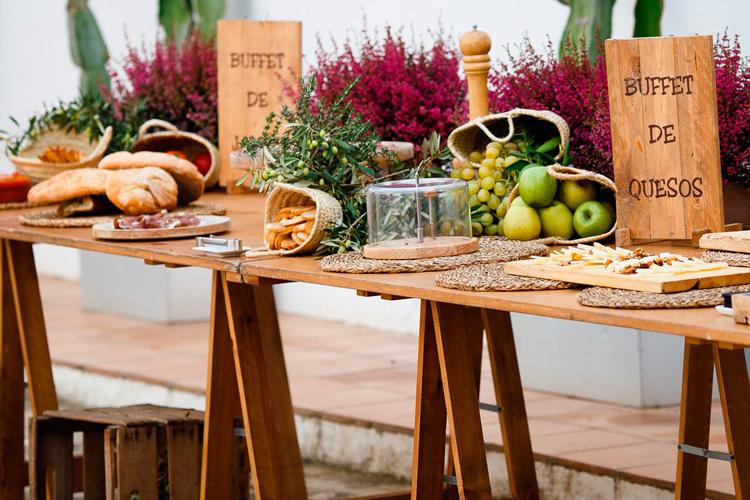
69,185
139,191
189,179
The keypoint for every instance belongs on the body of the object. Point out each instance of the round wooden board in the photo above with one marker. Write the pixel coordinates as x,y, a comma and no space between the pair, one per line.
409,248
210,224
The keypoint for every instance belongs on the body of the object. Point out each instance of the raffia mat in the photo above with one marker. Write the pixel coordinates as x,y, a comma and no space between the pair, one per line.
491,278
629,299
49,218
13,205
491,249
731,258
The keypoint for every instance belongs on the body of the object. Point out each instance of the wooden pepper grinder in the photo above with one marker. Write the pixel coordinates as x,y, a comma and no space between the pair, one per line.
475,46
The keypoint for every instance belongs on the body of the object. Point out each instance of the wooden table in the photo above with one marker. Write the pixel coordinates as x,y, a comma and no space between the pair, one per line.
246,360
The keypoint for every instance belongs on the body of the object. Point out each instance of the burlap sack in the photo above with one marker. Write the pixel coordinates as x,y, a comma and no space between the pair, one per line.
574,174
500,127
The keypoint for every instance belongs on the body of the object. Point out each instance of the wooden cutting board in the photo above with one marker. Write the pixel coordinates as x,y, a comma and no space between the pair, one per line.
210,224
733,241
597,276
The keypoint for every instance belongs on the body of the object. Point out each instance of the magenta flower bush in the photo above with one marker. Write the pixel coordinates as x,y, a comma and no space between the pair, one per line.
571,87
174,83
577,91
733,91
405,92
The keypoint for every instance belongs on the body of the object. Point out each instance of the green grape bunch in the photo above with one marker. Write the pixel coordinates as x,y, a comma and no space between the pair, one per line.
493,172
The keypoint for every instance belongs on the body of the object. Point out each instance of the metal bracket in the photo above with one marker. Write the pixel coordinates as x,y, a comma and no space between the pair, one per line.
705,452
448,479
222,247
489,407
238,432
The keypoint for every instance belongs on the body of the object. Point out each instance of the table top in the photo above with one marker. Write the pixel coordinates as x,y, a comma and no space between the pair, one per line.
247,219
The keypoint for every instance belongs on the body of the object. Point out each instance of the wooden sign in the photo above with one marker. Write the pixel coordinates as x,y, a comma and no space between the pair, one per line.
254,59
665,137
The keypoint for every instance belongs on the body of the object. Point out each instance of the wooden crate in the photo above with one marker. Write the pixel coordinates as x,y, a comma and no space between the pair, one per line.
146,451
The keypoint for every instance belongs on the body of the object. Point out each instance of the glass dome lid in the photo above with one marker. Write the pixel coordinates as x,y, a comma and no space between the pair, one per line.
419,218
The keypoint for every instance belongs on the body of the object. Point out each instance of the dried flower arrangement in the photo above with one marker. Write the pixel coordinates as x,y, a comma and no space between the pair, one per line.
407,91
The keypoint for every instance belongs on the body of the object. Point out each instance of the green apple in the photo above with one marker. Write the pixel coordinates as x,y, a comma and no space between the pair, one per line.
518,202
592,218
573,193
610,208
521,223
557,220
537,187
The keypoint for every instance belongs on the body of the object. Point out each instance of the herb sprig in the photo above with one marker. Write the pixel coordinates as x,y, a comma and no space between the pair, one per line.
329,146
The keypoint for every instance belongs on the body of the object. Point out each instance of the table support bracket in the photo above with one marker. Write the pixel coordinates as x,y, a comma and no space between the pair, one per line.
450,479
489,407
705,452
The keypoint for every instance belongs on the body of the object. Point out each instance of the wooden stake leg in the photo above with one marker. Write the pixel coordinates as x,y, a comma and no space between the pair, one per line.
734,388
264,392
459,390
695,418
430,415
23,342
221,397
514,424
11,394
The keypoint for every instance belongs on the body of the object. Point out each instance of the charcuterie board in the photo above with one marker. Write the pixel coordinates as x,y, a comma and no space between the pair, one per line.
733,241
209,224
598,276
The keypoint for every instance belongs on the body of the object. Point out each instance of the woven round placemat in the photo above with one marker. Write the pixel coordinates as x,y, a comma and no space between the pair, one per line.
629,299
49,218
491,249
13,205
491,278
731,258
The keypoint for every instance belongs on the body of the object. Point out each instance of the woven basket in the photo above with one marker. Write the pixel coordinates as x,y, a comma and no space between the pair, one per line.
500,127
173,139
28,163
574,174
328,210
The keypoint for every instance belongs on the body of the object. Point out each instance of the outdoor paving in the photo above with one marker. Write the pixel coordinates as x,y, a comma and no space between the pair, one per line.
364,374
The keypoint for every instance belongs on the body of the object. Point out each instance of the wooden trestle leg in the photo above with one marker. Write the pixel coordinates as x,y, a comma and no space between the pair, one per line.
700,358
247,362
449,370
23,342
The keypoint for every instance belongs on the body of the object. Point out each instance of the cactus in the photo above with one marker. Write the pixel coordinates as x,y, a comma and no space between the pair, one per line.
87,47
648,18
589,22
209,12
178,17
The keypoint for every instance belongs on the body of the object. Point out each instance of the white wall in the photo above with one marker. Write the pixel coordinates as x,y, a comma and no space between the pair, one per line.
35,65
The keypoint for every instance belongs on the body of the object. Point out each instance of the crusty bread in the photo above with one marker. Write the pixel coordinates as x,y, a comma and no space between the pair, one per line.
145,190
88,205
189,179
68,185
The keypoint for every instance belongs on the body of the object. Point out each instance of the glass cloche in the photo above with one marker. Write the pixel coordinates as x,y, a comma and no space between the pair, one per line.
419,218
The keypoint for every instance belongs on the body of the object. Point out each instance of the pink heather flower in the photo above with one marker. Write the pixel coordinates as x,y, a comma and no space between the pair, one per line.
177,84
405,92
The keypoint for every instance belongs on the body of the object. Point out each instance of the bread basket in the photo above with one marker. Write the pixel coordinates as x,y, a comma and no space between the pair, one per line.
28,163
171,138
328,213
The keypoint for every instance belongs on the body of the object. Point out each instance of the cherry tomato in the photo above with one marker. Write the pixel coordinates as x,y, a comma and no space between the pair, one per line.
203,162
178,154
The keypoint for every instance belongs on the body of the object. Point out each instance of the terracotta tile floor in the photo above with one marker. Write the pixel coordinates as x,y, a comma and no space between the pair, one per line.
364,374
